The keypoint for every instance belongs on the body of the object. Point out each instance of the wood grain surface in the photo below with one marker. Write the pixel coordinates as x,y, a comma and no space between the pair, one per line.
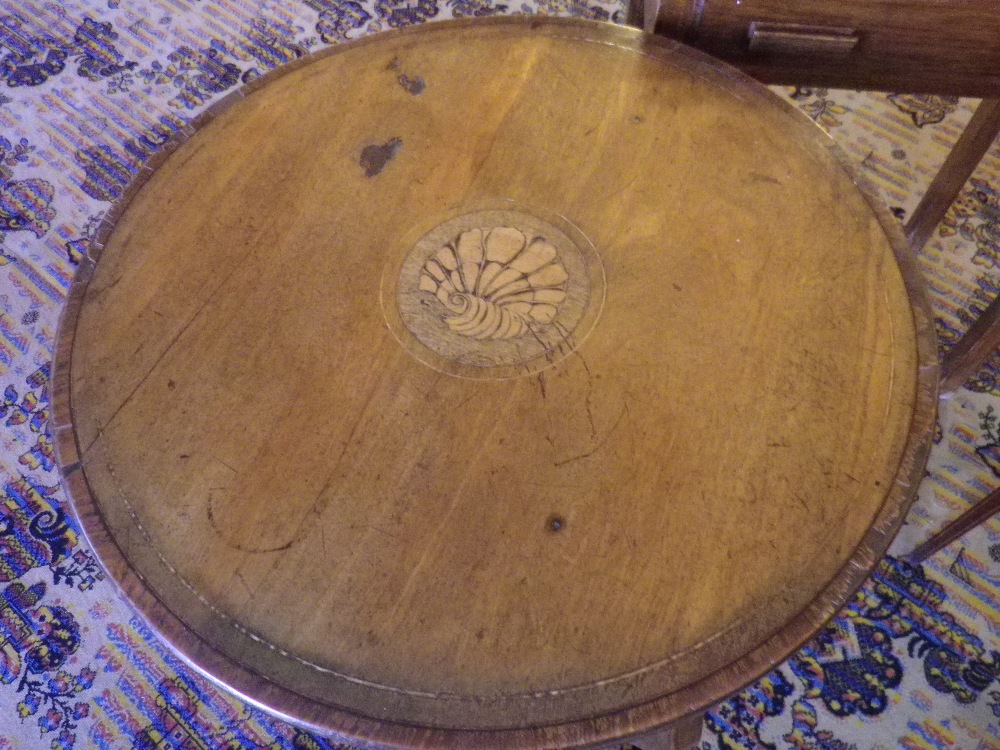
495,384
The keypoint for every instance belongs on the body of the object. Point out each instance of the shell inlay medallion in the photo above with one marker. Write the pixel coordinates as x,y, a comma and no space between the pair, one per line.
496,283
495,293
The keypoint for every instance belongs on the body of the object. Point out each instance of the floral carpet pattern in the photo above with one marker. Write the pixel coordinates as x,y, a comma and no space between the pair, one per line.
90,88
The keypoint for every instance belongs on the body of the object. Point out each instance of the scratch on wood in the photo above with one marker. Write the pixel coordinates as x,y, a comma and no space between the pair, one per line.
242,580
759,177
587,402
599,445
219,460
216,527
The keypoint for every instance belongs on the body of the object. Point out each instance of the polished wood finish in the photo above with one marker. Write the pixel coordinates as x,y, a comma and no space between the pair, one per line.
351,474
876,44
900,47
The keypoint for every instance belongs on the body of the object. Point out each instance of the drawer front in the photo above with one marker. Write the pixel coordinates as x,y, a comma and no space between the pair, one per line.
928,46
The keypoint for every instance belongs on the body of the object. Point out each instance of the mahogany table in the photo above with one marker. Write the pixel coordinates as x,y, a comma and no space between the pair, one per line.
497,384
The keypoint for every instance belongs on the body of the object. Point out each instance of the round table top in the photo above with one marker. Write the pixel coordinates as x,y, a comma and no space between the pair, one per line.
506,383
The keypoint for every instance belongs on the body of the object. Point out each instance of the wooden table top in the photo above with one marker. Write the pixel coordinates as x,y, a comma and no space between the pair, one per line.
506,383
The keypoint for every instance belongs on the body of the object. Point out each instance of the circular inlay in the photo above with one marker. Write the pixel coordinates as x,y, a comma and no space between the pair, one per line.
495,293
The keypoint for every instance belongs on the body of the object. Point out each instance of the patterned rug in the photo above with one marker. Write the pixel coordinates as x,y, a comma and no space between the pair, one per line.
89,89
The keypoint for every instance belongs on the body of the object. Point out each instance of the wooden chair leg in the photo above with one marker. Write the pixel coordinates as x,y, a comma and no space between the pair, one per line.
968,151
635,14
681,735
982,511
967,355
688,731
983,337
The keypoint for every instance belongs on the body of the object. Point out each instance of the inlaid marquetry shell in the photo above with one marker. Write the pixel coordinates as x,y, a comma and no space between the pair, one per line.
496,283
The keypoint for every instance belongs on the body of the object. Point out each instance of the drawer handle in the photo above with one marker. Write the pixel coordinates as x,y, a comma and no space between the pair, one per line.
801,39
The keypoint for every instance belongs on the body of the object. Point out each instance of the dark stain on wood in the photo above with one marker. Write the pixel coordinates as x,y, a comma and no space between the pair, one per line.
413,86
374,158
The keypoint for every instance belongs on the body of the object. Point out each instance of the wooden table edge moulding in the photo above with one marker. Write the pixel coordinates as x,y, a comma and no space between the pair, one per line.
520,723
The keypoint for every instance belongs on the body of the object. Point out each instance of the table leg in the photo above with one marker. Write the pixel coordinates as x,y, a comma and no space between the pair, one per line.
681,735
